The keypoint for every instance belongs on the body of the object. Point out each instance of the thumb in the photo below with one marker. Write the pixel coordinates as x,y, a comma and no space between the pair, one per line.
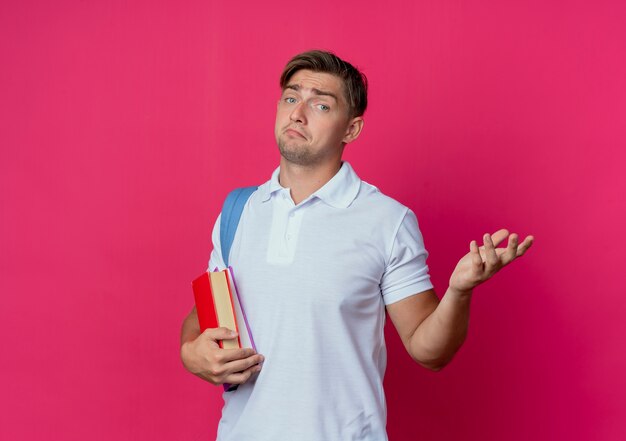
219,333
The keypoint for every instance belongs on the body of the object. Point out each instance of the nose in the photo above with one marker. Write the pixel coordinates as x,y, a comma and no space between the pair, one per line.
297,114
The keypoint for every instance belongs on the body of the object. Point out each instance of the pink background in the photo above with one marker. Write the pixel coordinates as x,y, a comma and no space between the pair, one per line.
123,126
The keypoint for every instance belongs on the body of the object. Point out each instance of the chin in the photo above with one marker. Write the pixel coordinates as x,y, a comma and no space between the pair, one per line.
298,156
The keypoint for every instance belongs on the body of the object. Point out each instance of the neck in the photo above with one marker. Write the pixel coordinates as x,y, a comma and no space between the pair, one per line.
303,181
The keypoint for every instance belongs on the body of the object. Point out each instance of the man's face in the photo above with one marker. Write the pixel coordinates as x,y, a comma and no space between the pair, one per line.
312,119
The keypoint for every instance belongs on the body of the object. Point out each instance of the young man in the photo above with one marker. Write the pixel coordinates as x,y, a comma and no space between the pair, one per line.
319,256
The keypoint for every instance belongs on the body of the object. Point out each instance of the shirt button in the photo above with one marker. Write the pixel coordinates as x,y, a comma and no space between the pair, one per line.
292,214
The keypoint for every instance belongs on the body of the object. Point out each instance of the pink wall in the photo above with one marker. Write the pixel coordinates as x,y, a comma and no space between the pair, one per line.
122,127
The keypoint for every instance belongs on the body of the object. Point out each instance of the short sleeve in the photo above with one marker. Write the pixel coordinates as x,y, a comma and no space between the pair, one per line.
216,260
406,272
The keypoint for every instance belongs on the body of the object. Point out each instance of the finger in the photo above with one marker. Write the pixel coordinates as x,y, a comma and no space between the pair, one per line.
477,261
227,355
491,258
207,338
219,333
499,236
511,250
242,377
242,365
525,245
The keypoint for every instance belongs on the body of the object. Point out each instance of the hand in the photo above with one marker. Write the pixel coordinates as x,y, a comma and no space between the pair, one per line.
480,264
204,357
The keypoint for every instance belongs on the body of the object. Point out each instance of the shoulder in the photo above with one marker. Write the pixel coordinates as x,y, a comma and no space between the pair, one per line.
380,218
370,197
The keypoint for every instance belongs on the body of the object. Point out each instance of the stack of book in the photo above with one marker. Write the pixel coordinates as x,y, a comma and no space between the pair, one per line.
219,305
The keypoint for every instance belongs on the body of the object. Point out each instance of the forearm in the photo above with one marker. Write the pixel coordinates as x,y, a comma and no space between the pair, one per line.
436,340
189,332
191,327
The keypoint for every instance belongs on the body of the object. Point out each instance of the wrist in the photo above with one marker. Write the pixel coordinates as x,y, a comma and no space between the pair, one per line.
460,293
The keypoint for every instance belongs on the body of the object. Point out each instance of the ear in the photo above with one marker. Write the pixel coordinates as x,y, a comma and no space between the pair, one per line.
354,129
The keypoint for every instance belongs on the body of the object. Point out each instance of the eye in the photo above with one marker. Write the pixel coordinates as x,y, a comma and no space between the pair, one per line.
290,100
323,107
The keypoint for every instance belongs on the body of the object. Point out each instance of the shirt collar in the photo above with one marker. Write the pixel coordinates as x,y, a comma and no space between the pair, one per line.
339,192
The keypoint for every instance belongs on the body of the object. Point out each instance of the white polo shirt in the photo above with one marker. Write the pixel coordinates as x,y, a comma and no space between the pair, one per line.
314,279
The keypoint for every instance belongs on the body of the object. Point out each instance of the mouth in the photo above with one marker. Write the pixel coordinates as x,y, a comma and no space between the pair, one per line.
294,133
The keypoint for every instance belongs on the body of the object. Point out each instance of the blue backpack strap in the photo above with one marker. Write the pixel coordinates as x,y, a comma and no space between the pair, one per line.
231,213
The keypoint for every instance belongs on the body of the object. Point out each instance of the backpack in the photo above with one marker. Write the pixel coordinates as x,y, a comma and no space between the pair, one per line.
231,213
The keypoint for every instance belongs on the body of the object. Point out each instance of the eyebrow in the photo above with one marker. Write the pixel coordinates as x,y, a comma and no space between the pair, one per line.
297,88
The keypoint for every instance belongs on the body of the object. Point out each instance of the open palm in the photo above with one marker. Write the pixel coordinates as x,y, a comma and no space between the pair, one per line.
481,263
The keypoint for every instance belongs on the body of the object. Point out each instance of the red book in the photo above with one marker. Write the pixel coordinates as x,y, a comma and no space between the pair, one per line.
218,304
204,302
214,303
